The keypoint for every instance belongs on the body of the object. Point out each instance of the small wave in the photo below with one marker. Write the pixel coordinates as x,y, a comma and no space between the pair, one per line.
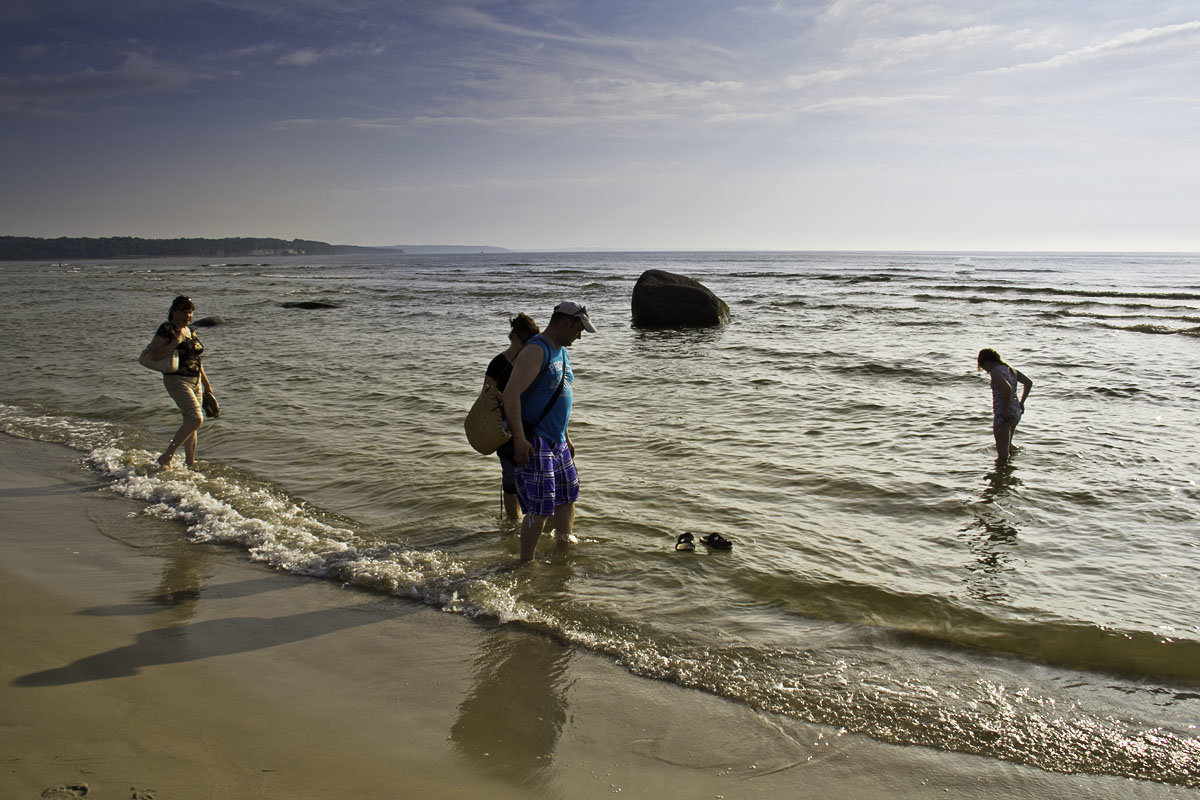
1068,312
903,372
1064,292
1052,641
1115,391
292,536
1158,330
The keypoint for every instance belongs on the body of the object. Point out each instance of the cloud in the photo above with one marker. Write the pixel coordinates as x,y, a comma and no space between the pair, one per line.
531,100
867,102
674,50
1135,41
634,174
463,17
545,121
32,52
307,56
886,51
819,78
886,14
137,74
629,92
244,52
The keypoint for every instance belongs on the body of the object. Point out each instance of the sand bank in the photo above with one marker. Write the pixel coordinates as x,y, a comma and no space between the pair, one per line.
143,665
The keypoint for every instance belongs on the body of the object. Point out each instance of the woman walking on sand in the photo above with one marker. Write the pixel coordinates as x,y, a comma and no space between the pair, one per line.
188,386
522,329
1007,408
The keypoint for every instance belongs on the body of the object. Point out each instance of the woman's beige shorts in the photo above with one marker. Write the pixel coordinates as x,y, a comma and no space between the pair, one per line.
186,393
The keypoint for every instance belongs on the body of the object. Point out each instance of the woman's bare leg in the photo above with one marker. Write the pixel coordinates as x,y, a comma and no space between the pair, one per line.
186,436
1003,433
512,508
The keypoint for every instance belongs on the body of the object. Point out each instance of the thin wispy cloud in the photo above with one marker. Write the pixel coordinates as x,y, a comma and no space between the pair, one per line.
253,51
889,51
822,77
137,74
308,56
640,175
867,102
1142,40
470,17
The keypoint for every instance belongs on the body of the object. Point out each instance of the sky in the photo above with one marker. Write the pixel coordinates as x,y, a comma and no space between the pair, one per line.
607,124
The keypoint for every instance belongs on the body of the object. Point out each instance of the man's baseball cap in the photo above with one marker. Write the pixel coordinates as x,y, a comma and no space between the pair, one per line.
577,310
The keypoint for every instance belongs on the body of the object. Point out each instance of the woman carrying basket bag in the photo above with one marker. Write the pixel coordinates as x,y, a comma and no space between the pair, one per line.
522,329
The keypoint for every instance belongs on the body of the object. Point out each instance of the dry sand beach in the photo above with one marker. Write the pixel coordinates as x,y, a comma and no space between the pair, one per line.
140,665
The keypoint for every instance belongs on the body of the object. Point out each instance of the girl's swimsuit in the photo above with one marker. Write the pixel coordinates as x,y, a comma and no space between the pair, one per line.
1000,414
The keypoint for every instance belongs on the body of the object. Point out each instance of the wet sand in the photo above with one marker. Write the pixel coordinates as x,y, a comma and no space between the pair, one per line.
144,666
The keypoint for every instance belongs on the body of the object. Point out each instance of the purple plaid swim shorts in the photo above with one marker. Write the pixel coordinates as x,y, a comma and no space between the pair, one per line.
548,480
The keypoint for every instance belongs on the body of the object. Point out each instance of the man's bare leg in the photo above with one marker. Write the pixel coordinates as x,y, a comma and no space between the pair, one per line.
564,522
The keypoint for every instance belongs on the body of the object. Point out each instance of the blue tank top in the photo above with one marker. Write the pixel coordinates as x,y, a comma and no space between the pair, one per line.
554,425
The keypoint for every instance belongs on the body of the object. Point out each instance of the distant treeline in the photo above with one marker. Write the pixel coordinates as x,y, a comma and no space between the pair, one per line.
29,248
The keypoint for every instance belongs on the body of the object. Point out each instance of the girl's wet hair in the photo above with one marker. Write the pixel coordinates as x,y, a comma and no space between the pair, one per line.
181,303
524,327
988,356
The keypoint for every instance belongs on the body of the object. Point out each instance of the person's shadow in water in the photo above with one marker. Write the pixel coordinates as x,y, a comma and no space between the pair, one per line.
510,722
991,538
199,640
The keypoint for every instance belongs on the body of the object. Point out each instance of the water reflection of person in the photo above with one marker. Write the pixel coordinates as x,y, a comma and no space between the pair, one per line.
183,577
991,537
510,722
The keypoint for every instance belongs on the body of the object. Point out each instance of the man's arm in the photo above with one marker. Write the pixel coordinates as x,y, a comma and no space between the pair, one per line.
525,369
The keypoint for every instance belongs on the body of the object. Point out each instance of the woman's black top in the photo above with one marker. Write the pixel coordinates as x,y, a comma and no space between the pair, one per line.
190,351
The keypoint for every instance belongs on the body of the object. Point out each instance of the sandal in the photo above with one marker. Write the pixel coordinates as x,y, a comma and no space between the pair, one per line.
716,541
684,543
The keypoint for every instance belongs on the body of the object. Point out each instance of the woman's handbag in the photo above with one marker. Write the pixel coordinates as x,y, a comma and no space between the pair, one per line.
485,422
485,425
168,364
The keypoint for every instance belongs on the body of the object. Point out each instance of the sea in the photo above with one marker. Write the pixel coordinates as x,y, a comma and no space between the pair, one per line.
888,577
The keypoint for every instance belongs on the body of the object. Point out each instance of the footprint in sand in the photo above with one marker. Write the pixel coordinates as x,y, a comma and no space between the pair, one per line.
68,792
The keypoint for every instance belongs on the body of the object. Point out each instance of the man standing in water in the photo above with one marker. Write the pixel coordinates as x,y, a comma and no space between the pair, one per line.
537,404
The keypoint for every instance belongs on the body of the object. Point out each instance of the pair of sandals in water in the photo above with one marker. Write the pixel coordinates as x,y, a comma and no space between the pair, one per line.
686,542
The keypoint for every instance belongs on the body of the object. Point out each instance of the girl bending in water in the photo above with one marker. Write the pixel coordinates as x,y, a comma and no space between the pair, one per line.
1007,408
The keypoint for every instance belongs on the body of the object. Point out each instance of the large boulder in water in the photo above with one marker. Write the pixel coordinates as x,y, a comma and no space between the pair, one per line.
665,300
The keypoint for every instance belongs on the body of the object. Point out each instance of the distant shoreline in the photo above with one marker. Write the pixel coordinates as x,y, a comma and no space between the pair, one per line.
63,248
31,248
